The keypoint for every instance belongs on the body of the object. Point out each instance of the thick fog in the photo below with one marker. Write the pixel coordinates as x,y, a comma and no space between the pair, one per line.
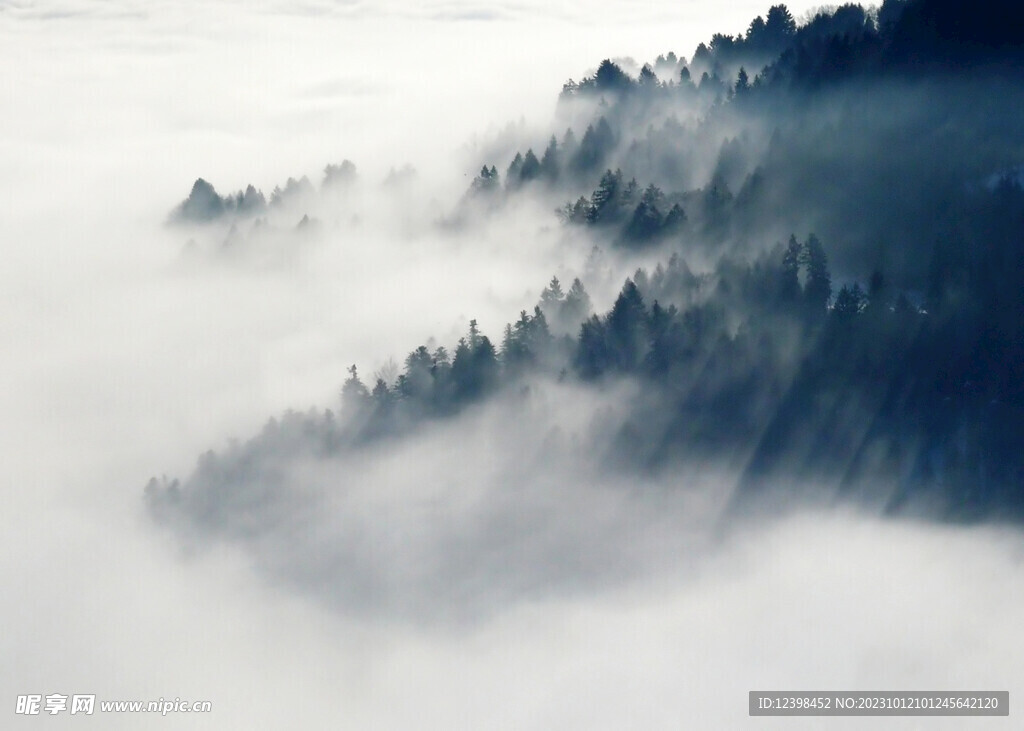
500,567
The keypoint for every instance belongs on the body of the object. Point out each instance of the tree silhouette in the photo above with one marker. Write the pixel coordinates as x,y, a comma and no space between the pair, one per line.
354,395
514,172
849,302
647,221
790,284
486,182
602,202
531,167
818,287
610,77
550,163
627,328
577,305
742,82
598,141
552,295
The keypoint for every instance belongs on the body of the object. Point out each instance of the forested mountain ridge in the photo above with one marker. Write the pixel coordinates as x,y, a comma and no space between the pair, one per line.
852,189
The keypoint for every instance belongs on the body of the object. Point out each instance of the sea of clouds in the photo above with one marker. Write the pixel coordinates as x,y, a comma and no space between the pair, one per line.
584,600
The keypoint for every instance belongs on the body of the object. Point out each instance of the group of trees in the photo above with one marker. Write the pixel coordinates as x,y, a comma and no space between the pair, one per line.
636,338
568,159
895,358
527,168
204,204
757,357
565,310
758,74
632,337
486,183
835,42
765,40
717,73
434,383
642,217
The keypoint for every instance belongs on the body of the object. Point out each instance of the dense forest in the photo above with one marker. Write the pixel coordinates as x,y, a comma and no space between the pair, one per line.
838,209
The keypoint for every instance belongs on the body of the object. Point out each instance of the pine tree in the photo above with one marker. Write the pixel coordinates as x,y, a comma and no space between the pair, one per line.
592,355
598,141
462,369
552,295
675,218
531,167
627,328
818,287
742,82
486,182
646,222
540,333
512,352
849,302
648,80
514,172
610,77
604,197
630,193
550,164
779,26
485,366
577,305
418,380
382,395
570,145
790,284
353,393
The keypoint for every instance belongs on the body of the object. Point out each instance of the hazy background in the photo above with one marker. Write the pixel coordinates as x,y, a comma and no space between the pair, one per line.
122,358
